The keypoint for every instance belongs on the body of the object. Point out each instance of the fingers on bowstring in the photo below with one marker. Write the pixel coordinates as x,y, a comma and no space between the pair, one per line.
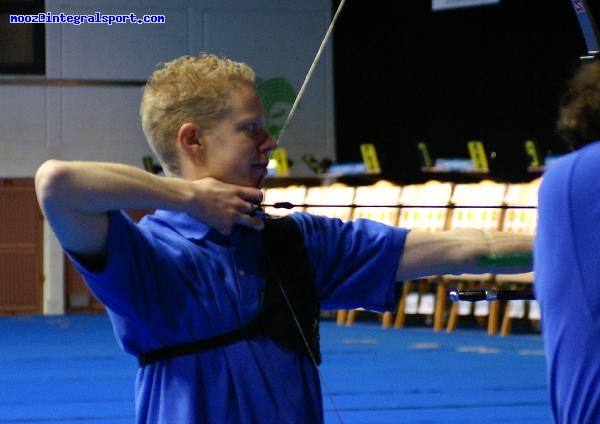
250,194
247,220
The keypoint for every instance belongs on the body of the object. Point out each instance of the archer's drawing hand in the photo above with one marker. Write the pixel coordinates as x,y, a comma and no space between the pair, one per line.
222,205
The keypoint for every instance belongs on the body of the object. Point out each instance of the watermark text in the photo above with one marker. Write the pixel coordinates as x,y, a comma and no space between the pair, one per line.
94,18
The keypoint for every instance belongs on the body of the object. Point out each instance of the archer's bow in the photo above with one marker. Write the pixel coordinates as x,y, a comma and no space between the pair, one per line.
284,127
588,28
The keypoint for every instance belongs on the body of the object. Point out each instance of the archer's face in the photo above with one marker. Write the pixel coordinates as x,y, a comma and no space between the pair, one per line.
238,146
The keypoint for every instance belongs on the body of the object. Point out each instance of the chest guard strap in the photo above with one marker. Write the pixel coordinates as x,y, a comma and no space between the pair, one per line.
288,279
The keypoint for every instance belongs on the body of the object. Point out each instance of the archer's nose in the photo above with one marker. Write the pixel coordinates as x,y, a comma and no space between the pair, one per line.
268,144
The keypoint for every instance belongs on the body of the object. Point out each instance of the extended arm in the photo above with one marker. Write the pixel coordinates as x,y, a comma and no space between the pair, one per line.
460,251
76,196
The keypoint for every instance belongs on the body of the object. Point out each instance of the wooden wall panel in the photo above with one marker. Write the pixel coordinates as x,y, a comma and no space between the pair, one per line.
21,275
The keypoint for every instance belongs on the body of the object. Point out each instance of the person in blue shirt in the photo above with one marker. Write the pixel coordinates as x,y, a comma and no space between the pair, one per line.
220,305
566,261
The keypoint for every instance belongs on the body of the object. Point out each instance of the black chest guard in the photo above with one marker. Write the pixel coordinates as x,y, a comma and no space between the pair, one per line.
289,300
290,287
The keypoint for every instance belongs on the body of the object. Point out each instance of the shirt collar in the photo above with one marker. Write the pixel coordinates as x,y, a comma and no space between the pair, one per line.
186,225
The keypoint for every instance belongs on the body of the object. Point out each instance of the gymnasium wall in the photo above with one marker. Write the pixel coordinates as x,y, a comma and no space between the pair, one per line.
86,122
85,106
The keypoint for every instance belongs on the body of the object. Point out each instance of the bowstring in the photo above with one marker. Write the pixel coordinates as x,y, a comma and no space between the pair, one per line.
311,70
305,340
279,136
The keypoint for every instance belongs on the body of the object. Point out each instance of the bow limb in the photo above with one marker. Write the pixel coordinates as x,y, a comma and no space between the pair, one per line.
588,28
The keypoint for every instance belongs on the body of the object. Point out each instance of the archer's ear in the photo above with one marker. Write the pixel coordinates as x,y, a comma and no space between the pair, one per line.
189,137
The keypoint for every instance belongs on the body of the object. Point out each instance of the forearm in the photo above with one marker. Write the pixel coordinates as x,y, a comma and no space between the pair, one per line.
462,251
76,196
94,187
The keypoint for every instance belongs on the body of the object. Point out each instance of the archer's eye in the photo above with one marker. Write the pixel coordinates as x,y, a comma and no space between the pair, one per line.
250,128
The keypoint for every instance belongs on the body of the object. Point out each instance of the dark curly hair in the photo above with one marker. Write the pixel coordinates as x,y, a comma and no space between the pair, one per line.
579,113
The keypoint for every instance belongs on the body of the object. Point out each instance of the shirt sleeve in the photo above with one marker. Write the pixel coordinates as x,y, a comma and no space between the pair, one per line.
118,285
354,263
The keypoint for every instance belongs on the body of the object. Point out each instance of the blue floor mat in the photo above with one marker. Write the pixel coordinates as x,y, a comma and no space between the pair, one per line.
69,369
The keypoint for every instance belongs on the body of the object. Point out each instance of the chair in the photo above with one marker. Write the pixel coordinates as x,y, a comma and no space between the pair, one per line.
334,201
294,194
382,193
479,195
373,197
519,221
424,207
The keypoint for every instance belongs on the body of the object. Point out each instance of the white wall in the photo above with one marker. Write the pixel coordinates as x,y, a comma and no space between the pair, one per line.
279,38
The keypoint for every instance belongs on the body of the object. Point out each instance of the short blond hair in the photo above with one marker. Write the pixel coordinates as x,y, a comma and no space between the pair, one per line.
187,89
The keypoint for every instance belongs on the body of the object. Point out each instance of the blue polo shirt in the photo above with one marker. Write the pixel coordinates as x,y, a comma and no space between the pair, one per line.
567,283
171,279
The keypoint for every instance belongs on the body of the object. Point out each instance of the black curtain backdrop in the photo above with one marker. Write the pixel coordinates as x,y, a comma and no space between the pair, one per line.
405,74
